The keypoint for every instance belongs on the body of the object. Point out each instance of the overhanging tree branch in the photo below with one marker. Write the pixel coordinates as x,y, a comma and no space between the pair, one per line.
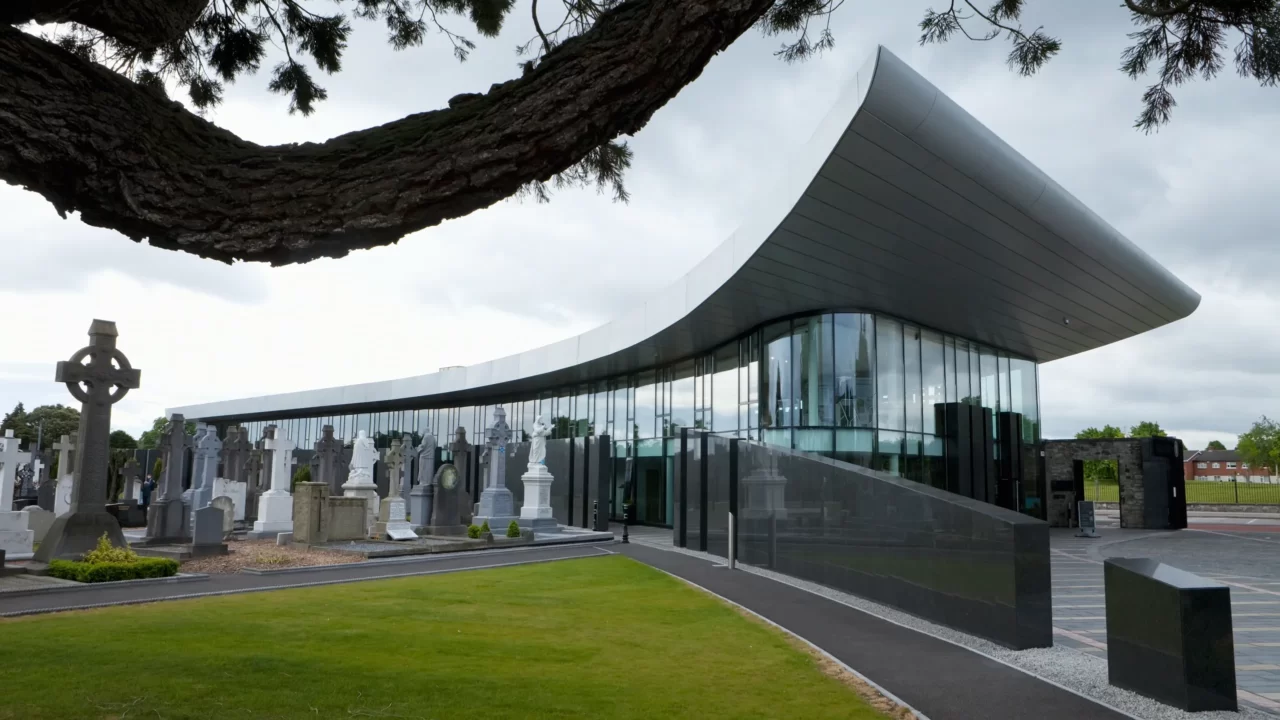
146,24
152,170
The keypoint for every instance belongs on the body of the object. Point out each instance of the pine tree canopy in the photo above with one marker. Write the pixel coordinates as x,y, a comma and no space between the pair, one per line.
85,120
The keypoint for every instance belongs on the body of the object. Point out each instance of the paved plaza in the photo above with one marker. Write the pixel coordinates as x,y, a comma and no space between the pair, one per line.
1241,552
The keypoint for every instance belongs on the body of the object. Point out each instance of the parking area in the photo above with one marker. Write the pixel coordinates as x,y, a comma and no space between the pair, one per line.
1247,560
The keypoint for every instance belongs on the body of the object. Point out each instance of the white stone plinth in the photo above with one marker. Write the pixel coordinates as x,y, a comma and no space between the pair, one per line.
62,494
15,539
394,524
537,493
275,512
369,492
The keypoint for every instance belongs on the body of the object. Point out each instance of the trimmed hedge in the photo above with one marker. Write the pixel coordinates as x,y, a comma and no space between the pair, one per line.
473,531
513,530
87,572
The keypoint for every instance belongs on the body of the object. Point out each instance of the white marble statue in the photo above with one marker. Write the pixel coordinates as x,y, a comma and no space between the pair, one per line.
538,446
363,456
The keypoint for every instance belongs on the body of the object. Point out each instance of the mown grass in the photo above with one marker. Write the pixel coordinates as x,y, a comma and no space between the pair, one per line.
593,638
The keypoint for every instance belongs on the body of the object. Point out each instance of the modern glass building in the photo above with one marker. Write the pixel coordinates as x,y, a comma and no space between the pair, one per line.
888,304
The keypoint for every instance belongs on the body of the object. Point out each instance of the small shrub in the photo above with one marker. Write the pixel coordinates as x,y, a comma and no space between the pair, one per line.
156,469
138,569
484,529
273,558
302,475
105,552
473,531
513,530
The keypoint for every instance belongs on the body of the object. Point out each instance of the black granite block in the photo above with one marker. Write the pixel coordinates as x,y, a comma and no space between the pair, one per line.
1169,635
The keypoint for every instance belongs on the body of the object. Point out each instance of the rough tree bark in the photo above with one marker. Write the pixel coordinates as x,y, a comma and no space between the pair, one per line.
90,140
145,24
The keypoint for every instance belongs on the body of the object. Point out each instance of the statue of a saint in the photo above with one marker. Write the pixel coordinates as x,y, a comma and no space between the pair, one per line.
362,458
538,446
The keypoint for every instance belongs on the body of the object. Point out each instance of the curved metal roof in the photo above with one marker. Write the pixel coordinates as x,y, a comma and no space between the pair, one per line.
901,203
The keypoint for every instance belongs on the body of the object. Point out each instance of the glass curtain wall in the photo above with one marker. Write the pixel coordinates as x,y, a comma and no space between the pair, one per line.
859,387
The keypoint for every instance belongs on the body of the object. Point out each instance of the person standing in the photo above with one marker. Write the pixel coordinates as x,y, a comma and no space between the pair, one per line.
147,486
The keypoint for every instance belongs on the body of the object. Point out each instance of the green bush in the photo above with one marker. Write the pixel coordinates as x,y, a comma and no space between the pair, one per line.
138,569
302,475
105,552
484,529
473,531
156,469
513,530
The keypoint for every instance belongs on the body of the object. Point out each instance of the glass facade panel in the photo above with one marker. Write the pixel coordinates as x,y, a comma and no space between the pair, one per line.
911,374
775,384
859,387
933,377
890,380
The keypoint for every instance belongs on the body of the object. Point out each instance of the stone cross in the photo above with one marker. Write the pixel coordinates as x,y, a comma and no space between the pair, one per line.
281,448
410,454
395,467
496,438
128,475
10,459
174,442
253,468
39,462
235,452
99,376
205,458
66,455
328,459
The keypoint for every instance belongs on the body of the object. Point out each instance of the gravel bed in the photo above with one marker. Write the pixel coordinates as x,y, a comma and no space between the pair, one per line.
266,555
1074,670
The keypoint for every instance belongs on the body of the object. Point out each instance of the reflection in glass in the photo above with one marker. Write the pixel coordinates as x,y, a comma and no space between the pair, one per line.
775,385
646,411
855,446
911,373
815,377
854,370
934,467
682,398
1023,386
888,451
890,380
933,377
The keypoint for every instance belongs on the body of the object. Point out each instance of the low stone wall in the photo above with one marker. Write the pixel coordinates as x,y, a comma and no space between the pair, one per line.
346,518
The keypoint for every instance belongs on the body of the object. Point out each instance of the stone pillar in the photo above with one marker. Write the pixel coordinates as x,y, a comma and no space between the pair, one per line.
310,516
360,480
536,513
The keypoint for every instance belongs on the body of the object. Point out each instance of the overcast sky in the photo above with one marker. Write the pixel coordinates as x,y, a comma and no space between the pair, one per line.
1198,196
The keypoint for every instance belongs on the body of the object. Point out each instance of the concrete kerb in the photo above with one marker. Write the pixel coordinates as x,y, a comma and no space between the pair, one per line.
318,583
406,559
81,587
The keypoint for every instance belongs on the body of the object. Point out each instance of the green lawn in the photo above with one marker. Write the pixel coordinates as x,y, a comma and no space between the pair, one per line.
1203,491
594,638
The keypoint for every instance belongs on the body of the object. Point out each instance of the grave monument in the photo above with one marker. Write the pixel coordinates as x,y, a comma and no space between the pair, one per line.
328,460
16,537
360,481
421,495
165,514
66,448
392,523
204,460
409,453
446,506
97,375
536,513
497,506
275,506
127,510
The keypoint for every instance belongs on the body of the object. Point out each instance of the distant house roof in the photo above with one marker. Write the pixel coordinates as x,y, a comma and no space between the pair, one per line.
1217,456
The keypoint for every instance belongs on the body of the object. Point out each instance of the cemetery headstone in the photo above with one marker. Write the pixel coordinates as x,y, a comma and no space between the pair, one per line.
446,508
39,521
497,506
129,479
252,471
40,462
235,454
66,448
275,506
360,481
409,453
328,460
206,532
207,449
236,491
15,537
228,508
165,516
536,514
97,375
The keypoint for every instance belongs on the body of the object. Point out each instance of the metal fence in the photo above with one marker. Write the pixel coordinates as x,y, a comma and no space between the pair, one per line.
1203,493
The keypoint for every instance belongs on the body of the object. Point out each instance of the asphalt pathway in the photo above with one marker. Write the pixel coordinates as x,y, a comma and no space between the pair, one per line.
941,680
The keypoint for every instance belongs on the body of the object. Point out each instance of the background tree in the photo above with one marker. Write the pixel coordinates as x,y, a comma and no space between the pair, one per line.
126,158
17,422
1260,447
1146,428
1101,471
150,439
1215,445
122,440
49,422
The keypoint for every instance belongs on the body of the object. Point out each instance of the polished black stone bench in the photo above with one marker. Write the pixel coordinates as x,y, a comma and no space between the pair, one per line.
1169,635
